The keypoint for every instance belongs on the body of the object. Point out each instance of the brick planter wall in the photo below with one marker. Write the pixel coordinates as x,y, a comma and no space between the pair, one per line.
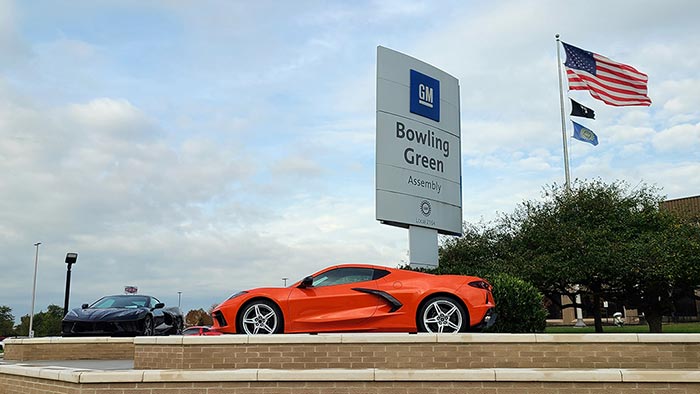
362,363
665,351
496,381
102,348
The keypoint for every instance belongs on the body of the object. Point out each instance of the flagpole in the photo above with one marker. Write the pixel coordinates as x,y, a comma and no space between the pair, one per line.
563,121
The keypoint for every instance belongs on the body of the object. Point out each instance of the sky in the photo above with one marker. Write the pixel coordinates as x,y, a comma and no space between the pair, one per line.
197,148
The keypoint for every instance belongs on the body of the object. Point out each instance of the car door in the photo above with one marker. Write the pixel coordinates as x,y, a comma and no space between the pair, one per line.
158,313
337,301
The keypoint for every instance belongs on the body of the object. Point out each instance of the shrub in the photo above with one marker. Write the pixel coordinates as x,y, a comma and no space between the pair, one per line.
519,305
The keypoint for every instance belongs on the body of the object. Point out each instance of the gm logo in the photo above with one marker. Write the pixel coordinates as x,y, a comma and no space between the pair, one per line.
425,96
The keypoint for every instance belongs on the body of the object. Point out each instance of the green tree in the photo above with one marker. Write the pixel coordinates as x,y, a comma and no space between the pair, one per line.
599,240
45,323
484,249
7,321
608,241
51,321
663,263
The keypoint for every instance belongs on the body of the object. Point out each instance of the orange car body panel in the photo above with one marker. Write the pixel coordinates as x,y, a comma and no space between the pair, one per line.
339,308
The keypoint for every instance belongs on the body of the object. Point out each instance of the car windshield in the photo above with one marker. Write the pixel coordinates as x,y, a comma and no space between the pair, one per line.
122,301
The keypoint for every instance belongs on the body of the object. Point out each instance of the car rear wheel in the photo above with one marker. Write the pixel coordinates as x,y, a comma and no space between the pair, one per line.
442,315
177,327
260,317
147,326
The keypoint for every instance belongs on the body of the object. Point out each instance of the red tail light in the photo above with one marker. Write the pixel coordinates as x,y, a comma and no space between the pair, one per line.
481,284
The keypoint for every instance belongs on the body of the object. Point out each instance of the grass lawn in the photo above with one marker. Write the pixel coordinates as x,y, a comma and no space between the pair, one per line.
693,327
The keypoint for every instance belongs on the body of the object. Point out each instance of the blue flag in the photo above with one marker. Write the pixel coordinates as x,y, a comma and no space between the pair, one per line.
584,134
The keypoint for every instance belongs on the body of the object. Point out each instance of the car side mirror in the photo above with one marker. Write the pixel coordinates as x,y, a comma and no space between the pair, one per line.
159,305
307,282
84,306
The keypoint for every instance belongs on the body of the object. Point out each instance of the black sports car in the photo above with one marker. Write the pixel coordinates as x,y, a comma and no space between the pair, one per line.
123,315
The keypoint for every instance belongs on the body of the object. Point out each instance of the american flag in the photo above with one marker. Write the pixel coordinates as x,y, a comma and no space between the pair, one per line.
609,81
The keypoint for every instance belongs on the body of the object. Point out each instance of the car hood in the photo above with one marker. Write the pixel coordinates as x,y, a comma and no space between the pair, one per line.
104,314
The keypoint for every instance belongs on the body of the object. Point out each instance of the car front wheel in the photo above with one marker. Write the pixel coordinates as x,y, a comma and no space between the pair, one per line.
260,317
442,315
147,326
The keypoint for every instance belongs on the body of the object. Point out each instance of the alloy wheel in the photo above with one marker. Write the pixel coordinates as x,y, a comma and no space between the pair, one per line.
260,318
442,316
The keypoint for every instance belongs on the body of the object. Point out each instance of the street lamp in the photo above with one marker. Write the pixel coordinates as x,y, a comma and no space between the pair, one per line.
179,297
285,281
71,258
31,315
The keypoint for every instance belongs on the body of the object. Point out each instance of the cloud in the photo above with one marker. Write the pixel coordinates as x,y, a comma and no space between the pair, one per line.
14,48
680,138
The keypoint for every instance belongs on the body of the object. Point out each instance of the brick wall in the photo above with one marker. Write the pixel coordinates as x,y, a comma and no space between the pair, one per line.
361,363
590,351
69,349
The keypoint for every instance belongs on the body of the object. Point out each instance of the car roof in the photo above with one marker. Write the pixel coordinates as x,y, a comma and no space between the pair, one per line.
360,266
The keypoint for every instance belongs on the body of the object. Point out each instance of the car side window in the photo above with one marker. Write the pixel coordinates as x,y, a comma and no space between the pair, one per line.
341,276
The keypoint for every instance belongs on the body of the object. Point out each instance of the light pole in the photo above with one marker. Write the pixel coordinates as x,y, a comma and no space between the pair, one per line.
71,258
179,297
285,281
31,315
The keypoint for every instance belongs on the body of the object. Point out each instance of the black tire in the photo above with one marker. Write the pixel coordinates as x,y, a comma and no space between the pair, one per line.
442,315
178,327
260,317
147,330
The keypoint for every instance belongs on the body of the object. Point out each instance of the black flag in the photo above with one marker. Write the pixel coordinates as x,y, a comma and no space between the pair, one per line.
580,110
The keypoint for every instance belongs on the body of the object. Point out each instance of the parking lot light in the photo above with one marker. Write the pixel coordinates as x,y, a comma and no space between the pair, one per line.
31,315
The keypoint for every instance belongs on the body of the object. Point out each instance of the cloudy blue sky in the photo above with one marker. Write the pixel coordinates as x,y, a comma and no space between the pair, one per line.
210,146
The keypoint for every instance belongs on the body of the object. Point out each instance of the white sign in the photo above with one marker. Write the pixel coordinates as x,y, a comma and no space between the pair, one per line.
419,171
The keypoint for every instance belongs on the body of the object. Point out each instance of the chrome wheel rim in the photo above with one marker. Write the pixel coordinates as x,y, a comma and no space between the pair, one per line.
148,327
259,319
442,316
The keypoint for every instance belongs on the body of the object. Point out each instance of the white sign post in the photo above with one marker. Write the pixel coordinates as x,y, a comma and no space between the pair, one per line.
419,171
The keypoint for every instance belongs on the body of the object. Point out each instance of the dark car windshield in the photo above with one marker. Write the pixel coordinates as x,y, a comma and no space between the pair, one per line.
122,301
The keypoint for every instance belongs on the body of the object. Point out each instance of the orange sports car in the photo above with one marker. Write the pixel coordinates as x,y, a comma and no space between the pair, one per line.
361,297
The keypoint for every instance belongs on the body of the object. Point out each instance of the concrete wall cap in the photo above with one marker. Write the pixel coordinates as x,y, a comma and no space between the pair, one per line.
448,375
668,376
557,375
238,375
497,374
90,340
669,338
69,375
145,340
111,376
